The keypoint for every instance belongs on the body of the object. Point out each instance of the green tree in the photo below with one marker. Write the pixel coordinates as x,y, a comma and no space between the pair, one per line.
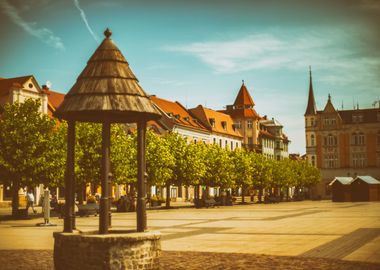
123,155
220,168
262,175
88,156
159,160
244,169
25,140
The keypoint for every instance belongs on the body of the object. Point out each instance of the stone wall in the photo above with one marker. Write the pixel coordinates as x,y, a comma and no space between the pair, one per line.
116,250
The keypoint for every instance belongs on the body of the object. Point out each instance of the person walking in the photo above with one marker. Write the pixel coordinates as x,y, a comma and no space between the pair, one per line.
30,201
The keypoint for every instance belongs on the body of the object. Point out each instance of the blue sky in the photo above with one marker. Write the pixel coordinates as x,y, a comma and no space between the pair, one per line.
197,52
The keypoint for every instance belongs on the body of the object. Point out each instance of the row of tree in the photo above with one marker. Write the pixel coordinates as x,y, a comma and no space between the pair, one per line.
33,151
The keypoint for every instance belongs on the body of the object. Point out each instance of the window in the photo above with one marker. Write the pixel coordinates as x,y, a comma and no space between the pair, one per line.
312,139
250,140
237,145
330,140
225,144
358,160
249,124
224,125
214,140
220,142
232,145
358,118
312,122
330,121
306,122
357,138
331,160
212,122
238,125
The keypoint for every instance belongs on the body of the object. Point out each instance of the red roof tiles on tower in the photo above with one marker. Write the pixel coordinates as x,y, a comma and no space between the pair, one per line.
243,98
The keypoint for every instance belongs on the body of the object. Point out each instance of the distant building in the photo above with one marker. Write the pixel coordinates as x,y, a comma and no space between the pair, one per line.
341,143
259,134
18,90
273,142
176,118
220,125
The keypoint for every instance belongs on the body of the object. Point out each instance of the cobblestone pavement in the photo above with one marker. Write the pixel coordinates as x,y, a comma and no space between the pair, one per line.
305,231
172,260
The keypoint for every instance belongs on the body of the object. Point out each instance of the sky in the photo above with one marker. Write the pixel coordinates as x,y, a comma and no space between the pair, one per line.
198,52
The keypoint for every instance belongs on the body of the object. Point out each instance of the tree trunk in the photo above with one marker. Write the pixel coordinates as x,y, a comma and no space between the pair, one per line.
167,195
260,195
15,197
80,194
242,193
179,190
287,193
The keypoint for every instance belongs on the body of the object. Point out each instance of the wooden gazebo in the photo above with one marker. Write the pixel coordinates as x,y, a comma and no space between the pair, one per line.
106,92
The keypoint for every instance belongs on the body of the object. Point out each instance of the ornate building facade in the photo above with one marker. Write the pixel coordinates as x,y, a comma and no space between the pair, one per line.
341,143
259,133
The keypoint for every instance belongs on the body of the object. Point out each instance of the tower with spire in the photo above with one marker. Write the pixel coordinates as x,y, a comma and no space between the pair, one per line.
310,125
245,117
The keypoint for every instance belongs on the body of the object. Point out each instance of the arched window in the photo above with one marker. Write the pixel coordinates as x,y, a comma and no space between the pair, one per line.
312,139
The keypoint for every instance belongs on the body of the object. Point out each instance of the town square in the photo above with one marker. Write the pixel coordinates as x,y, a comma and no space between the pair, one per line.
178,135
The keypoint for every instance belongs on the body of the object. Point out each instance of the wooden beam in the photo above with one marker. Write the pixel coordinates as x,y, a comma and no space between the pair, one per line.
104,200
141,177
69,221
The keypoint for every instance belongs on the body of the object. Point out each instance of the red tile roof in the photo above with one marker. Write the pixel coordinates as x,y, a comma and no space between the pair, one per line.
6,84
264,133
55,98
178,114
243,98
205,114
242,113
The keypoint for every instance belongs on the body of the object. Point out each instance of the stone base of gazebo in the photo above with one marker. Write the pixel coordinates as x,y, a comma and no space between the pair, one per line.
116,250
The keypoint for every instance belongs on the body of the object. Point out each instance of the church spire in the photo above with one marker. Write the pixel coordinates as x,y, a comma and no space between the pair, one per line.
311,107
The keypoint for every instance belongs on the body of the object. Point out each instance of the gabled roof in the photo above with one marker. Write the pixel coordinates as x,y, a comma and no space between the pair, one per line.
241,113
369,115
368,179
311,108
108,90
204,115
342,180
329,108
243,98
7,84
178,114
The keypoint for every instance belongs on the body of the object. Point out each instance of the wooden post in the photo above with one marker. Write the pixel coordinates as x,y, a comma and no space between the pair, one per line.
104,200
69,222
141,179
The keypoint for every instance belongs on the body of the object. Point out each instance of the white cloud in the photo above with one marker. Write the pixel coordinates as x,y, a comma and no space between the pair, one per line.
84,18
267,51
43,34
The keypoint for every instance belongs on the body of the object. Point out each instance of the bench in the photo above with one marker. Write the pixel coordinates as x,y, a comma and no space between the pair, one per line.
88,209
210,203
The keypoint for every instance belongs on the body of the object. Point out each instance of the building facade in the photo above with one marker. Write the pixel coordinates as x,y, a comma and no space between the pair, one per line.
18,90
259,134
221,127
342,143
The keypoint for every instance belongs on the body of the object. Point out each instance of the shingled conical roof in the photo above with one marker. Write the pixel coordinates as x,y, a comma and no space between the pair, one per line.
311,107
244,98
107,89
